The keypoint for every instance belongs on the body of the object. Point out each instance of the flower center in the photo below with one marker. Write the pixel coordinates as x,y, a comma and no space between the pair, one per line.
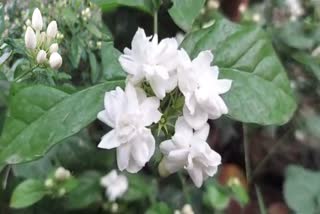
128,126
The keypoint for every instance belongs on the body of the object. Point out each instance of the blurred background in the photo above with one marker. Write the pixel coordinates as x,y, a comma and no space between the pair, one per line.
285,160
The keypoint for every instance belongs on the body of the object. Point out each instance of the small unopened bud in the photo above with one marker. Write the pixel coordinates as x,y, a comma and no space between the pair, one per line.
37,22
256,17
28,22
177,212
163,170
61,174
114,207
62,192
52,29
43,37
30,39
42,57
187,209
242,7
49,183
99,44
55,60
53,48
213,4
233,182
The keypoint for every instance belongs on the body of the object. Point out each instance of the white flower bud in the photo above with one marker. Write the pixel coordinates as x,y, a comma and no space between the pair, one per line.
99,44
163,170
55,60
61,174
37,22
187,209
30,39
62,192
43,38
52,29
114,207
42,57
49,183
28,22
54,48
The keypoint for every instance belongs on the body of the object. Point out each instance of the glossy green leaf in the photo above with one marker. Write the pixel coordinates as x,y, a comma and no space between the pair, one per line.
260,91
95,70
40,116
184,12
302,190
110,63
144,5
309,62
27,193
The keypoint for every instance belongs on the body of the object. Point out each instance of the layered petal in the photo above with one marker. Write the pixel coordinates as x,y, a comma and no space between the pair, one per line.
109,140
197,119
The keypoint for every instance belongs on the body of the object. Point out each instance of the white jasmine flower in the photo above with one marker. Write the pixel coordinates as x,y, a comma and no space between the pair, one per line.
62,174
52,30
153,61
41,57
54,48
55,60
116,185
188,149
199,83
37,22
30,39
129,112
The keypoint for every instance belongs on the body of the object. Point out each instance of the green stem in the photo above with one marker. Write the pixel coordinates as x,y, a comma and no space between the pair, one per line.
184,188
261,204
246,153
155,22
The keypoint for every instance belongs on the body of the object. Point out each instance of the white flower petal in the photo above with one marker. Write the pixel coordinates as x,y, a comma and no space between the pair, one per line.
132,98
109,140
203,59
104,117
223,85
151,114
196,176
123,156
196,120
158,87
203,132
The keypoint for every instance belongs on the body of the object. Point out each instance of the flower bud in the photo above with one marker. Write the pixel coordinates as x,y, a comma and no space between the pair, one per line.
187,209
43,37
42,57
114,208
49,183
53,48
61,173
99,44
28,22
55,60
30,39
37,22
163,170
62,192
52,29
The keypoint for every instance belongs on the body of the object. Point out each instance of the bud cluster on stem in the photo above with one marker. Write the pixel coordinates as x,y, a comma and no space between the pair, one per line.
42,45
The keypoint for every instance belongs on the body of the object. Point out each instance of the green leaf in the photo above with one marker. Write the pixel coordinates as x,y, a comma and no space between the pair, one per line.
95,71
159,208
260,90
40,117
302,190
112,69
139,188
87,192
76,51
2,23
144,5
184,12
27,193
216,197
309,62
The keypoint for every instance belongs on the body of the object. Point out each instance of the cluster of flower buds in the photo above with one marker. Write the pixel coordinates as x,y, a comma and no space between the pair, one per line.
55,183
42,45
116,185
158,72
86,14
